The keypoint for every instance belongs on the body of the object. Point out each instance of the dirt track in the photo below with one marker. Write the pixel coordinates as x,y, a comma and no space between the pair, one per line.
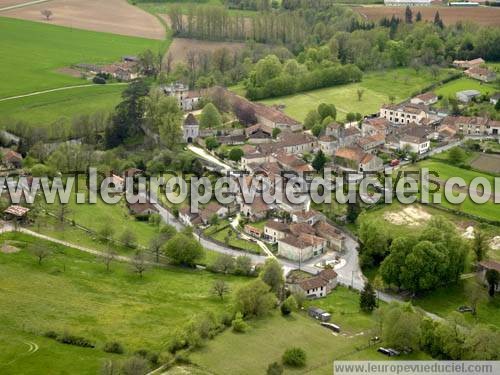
482,15
113,16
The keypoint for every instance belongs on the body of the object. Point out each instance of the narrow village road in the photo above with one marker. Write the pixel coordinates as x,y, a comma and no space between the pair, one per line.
205,155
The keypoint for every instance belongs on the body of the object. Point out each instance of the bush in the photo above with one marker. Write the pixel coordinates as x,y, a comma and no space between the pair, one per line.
113,347
68,339
239,324
294,357
99,80
274,368
51,334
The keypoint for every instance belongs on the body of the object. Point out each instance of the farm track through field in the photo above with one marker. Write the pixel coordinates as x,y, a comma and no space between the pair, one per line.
57,89
15,6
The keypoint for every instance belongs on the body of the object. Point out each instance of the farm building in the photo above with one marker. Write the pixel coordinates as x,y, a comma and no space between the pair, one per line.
466,96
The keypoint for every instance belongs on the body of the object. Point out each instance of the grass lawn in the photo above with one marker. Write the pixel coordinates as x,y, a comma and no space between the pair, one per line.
377,86
71,291
95,216
163,7
61,106
268,338
32,52
223,229
446,300
464,83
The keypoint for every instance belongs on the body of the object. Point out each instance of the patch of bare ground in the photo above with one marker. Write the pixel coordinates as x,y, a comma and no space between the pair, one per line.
9,249
70,72
489,16
411,216
8,3
181,47
112,16
487,163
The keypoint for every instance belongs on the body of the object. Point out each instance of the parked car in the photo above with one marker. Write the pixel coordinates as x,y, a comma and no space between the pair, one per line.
464,309
388,352
394,163
331,326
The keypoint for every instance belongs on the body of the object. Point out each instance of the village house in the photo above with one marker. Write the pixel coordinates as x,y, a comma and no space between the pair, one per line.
274,118
142,210
404,113
317,286
446,132
377,125
132,172
354,158
427,98
467,125
117,183
333,129
256,210
204,215
189,218
12,159
467,64
187,99
334,237
213,209
418,145
310,217
16,212
301,247
296,143
275,231
123,71
289,162
349,136
481,74
328,144
190,128
259,133
372,142
486,265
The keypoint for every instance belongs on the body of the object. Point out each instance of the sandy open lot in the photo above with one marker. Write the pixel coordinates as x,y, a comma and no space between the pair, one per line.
181,46
449,15
411,215
113,16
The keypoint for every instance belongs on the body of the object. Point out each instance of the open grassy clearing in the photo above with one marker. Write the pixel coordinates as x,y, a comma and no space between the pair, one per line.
464,83
32,52
112,16
61,106
96,216
267,339
71,291
447,299
377,88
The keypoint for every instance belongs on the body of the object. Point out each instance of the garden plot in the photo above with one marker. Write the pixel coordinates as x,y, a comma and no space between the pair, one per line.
412,216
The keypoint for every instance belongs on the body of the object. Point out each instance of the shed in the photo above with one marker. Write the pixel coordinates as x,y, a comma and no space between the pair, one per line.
319,314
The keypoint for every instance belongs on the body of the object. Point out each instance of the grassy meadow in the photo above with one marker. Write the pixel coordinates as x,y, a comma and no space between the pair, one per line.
61,106
32,52
377,88
72,291
464,83
267,339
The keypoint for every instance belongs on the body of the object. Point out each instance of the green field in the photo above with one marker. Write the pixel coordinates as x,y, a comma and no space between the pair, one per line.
377,86
32,52
451,88
222,230
447,299
71,291
267,339
60,106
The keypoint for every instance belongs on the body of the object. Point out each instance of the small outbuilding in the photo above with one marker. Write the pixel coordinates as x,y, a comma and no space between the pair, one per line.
16,212
319,314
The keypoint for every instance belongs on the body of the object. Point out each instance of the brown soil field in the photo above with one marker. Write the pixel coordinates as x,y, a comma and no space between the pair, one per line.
113,16
180,47
8,3
487,163
489,16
